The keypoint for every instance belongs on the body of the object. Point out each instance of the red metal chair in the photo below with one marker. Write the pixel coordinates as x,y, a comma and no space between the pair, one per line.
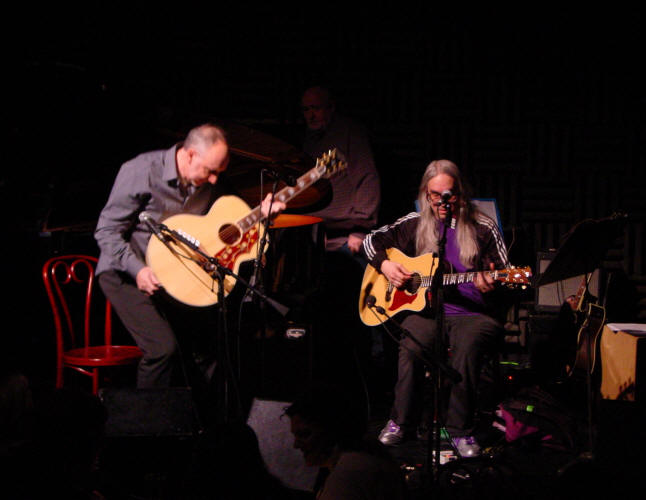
69,281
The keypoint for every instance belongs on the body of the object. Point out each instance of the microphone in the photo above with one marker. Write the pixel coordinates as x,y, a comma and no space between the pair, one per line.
153,225
290,180
445,197
185,238
159,229
371,300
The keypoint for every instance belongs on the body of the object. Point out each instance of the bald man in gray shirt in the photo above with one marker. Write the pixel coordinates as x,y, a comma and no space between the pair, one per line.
181,179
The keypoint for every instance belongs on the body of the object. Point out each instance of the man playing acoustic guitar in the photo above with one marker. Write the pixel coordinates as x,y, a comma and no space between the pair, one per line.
474,244
181,179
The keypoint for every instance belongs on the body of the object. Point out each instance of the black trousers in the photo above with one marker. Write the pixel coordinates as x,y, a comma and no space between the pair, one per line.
469,338
154,323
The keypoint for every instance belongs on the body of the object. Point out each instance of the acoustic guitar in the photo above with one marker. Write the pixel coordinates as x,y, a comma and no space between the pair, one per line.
229,233
411,296
592,318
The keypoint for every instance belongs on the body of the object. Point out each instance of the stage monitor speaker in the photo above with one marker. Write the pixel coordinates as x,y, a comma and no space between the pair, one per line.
276,444
167,412
549,298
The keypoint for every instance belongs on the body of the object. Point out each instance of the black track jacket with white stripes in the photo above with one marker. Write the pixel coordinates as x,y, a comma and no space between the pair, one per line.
401,235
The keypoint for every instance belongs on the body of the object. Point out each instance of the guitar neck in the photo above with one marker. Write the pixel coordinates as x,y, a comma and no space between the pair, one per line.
468,277
286,194
582,295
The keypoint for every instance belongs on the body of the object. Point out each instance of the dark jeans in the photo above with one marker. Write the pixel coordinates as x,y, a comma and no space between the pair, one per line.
469,338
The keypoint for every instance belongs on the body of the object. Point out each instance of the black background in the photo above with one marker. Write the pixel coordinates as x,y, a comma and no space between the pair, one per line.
549,93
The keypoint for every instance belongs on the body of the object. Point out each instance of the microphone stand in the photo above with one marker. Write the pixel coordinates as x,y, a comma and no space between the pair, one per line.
426,356
436,292
257,276
265,225
217,271
436,362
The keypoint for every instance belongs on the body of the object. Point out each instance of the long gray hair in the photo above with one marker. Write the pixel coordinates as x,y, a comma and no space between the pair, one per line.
427,235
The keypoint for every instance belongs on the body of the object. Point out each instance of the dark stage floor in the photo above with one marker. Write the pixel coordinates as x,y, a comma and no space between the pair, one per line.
526,469
164,467
169,460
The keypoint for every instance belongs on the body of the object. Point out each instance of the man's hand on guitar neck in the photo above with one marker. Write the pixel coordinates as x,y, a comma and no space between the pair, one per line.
276,206
572,302
484,281
146,280
396,273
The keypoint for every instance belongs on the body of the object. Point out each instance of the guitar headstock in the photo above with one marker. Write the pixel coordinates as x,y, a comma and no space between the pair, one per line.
328,164
515,276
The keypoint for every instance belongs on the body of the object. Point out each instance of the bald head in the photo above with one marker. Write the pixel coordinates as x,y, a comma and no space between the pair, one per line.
203,156
204,136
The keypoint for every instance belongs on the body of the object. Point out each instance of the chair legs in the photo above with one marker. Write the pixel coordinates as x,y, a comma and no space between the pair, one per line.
95,381
93,373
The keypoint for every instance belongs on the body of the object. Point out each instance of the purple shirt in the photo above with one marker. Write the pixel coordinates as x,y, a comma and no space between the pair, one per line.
466,290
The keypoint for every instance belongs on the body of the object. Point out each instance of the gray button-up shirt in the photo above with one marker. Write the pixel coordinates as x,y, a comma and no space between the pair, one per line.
148,183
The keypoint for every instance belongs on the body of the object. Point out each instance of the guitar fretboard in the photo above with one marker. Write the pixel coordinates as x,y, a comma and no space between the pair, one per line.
289,192
459,278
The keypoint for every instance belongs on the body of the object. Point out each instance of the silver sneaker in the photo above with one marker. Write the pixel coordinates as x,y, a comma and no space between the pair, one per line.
466,446
392,434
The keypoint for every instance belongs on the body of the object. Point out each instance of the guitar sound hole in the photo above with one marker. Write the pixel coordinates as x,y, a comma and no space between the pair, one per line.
412,285
229,234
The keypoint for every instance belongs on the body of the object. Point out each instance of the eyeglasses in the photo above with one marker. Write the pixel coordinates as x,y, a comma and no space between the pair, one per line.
434,197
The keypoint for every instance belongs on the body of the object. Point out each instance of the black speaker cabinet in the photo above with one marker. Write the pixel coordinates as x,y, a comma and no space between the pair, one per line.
149,442
550,297
276,444
167,412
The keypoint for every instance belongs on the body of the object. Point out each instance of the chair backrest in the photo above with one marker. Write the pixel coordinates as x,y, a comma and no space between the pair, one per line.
69,282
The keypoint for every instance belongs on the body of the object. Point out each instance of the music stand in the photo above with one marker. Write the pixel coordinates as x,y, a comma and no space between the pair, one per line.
581,252
583,248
